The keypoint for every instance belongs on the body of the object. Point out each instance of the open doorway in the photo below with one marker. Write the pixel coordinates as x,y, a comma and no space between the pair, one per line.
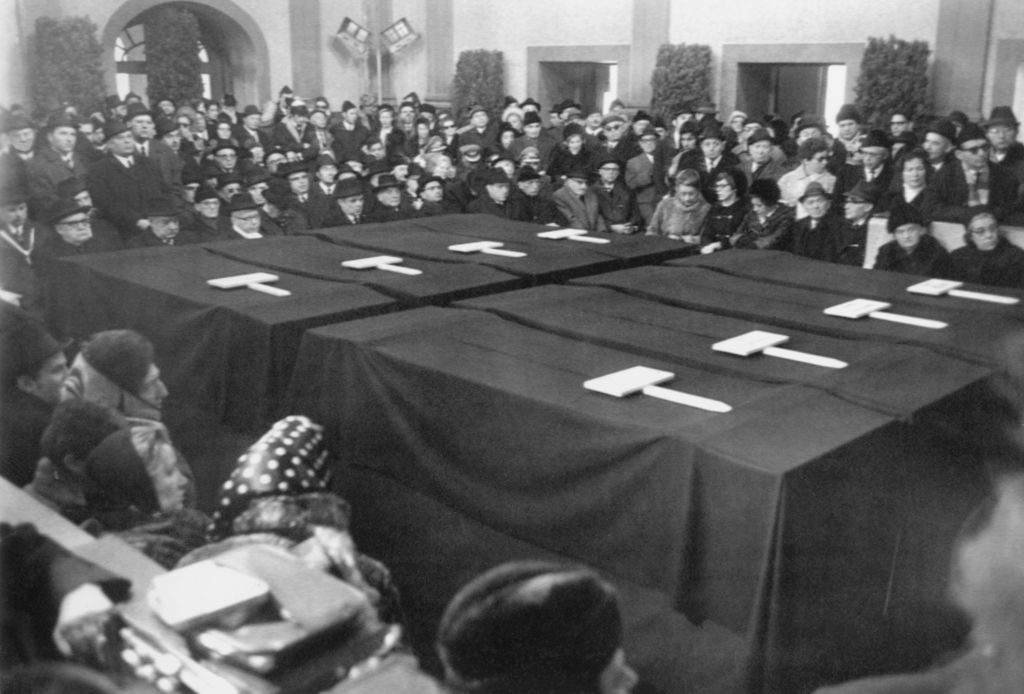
592,85
790,88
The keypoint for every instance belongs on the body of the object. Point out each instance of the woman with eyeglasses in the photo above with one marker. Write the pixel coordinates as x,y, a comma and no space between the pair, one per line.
727,213
813,154
988,258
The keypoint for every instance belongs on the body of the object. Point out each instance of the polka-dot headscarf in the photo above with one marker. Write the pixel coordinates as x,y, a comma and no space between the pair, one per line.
287,460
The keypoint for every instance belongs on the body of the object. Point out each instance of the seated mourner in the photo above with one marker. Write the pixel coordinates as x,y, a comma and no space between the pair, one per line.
912,250
535,627
988,258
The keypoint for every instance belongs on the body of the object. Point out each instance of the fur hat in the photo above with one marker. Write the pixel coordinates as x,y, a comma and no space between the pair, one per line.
971,131
848,112
536,625
122,356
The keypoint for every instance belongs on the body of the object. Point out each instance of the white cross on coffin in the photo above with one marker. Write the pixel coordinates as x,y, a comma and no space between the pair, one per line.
935,287
763,342
643,379
257,281
859,308
488,247
381,262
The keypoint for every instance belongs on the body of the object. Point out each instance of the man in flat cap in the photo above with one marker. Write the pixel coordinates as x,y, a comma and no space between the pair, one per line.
973,180
123,183
534,136
53,163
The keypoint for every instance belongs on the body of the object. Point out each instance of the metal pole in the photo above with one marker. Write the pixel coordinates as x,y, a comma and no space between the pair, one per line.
380,73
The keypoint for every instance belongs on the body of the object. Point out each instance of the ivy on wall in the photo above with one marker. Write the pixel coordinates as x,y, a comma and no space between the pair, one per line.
66,65
893,78
479,79
173,68
681,77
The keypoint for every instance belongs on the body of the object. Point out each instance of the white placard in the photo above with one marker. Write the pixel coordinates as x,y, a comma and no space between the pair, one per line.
934,287
236,281
856,308
750,343
628,381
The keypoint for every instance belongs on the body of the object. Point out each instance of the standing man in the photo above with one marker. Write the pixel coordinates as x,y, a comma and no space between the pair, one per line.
21,139
53,164
140,122
18,284
350,135
645,175
481,131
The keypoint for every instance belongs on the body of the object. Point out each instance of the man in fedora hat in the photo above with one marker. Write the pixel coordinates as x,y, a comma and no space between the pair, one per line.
350,198
32,371
123,183
72,234
164,227
494,200
21,139
18,240
860,204
817,235
973,179
577,203
147,146
53,163
389,208
1001,131
246,222
248,131
872,165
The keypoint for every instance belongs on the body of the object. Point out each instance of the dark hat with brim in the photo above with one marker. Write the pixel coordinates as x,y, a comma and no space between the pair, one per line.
240,202
25,345
497,177
943,127
135,110
578,174
165,126
60,119
814,189
711,132
902,214
70,187
63,208
17,122
292,167
470,150
759,135
163,207
876,139
971,131
251,110
527,173
112,129
1002,115
386,181
225,179
206,192
864,192
348,188
531,118
13,194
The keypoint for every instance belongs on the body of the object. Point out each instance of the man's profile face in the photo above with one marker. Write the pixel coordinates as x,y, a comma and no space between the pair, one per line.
22,140
47,383
974,153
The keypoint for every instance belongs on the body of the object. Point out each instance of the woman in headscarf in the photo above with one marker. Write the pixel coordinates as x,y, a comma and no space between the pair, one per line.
134,488
278,495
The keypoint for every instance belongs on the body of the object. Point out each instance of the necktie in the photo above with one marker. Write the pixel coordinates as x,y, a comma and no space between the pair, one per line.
302,198
355,219
129,163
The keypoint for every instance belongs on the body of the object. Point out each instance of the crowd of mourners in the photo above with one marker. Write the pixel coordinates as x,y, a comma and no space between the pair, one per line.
174,174
85,437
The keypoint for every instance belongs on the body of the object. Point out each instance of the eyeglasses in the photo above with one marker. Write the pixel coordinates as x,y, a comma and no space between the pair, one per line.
723,184
448,126
612,167
898,122
75,224
613,127
432,187
184,124
977,149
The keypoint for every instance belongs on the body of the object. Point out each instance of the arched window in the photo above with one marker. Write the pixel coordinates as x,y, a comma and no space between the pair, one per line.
130,59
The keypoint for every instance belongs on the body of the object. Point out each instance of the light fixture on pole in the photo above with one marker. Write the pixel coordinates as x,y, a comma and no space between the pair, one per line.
398,36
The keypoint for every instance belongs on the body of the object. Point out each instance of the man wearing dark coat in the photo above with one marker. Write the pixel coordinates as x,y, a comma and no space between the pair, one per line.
52,164
350,135
494,200
389,205
481,131
140,121
988,258
18,239
709,159
973,180
69,234
577,203
874,168
530,203
164,227
912,251
616,204
817,235
122,184
21,135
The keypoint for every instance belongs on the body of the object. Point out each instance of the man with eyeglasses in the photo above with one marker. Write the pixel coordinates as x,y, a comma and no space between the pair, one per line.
873,165
616,204
165,229
973,180
245,217
72,235
813,156
616,144
899,124
531,202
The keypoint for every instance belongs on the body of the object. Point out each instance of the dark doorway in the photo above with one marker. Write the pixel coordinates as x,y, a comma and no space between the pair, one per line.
584,83
784,89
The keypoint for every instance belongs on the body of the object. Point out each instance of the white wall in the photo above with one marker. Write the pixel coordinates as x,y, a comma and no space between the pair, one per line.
512,26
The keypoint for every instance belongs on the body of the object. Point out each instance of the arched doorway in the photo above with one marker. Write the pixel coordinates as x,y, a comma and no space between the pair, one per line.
232,49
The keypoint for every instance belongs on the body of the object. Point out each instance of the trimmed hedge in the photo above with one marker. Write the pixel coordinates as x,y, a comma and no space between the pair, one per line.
893,78
67,65
681,77
479,79
173,68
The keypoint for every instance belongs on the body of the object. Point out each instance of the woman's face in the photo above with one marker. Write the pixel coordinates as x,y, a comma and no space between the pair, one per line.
507,137
914,173
224,131
687,141
212,111
725,191
168,481
575,143
387,118
422,131
687,194
817,163
759,208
